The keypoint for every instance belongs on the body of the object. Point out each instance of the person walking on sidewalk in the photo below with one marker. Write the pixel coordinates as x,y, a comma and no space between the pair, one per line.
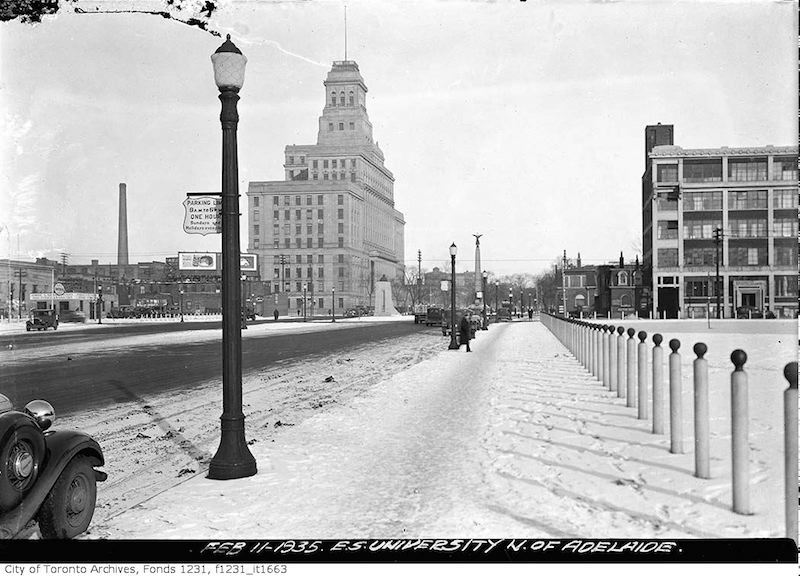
464,330
275,314
530,313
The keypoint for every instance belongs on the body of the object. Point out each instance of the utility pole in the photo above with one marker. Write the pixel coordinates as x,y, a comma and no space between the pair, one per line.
718,235
64,260
21,294
419,275
283,273
564,282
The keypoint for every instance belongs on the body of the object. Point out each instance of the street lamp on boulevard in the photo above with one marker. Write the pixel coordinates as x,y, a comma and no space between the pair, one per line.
233,458
333,304
510,302
181,292
496,291
244,304
453,342
305,288
99,304
483,297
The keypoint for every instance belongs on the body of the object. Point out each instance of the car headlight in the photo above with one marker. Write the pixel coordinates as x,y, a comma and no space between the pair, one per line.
5,404
42,412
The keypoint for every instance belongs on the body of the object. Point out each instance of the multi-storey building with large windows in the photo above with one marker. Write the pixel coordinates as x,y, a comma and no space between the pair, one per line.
749,197
331,224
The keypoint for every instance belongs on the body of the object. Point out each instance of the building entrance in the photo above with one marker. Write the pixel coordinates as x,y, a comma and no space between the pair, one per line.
668,302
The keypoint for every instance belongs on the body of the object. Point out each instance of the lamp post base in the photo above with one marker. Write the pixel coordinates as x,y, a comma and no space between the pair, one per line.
233,458
453,344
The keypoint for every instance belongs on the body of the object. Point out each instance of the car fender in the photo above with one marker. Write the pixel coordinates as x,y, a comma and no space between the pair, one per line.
61,447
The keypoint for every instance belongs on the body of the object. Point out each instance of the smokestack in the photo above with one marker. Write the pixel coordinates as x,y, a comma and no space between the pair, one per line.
122,240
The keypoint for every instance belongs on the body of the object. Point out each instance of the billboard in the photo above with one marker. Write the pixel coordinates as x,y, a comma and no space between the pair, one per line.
248,262
197,261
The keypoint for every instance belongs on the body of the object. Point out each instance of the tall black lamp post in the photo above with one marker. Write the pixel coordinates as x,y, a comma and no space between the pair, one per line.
305,288
483,297
717,243
333,304
99,304
510,302
233,458
496,292
453,342
243,302
181,303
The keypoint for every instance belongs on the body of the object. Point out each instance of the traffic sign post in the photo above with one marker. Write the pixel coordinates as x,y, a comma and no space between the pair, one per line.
203,214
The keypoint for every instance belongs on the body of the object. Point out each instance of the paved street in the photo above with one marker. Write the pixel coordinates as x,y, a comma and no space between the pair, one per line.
68,370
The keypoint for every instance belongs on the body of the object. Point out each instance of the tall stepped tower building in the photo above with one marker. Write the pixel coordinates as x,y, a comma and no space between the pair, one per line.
331,224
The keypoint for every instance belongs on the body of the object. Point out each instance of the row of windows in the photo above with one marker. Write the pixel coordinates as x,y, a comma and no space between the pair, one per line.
334,176
737,200
784,286
739,170
320,302
298,214
737,228
309,259
351,126
334,163
302,160
298,229
298,243
737,256
287,273
298,200
351,98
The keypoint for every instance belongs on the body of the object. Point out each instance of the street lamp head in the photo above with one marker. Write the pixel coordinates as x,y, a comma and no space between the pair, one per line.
453,249
485,274
496,283
229,64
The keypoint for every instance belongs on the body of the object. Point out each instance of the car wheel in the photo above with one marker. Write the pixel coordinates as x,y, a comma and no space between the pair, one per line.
69,507
21,455
27,328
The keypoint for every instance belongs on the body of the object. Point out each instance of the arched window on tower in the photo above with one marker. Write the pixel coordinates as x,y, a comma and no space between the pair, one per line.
352,99
333,98
341,98
622,278
625,300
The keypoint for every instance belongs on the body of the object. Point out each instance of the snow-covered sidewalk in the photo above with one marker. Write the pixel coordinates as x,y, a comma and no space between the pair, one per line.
513,440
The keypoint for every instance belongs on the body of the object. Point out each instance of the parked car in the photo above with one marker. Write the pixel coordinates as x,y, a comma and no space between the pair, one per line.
503,315
72,316
433,316
749,312
49,476
42,320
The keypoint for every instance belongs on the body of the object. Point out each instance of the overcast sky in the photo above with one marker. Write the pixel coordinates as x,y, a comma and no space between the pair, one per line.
523,121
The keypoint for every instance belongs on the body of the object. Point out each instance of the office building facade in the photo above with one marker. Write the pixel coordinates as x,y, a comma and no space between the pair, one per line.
330,226
736,207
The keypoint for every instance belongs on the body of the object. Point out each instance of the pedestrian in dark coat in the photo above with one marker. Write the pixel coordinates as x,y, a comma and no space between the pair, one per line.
275,313
530,313
464,330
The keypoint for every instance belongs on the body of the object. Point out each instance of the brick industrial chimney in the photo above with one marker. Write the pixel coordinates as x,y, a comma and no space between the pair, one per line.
122,240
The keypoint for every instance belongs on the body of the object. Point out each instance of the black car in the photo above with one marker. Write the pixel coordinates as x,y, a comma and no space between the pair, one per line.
46,475
42,320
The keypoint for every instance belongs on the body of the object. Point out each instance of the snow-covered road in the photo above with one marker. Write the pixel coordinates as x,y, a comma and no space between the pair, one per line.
513,440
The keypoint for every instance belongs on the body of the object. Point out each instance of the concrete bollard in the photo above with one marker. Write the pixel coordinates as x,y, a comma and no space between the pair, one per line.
598,350
621,362
642,379
675,399
612,359
790,448
740,451
630,381
658,385
702,466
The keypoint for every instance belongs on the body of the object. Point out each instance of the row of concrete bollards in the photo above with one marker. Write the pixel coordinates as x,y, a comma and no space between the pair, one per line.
620,363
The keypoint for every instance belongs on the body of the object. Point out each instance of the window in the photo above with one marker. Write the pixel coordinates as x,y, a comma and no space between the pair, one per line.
291,159
330,126
325,176
667,173
704,256
256,243
341,242
297,229
286,214
747,200
786,255
288,273
298,201
255,201
320,213
276,200
667,257
697,288
315,176
625,300
276,272
702,201
309,228
747,256
747,227
700,229
298,272
302,160
341,301
784,168
320,272
297,214
575,280
352,163
309,214
299,288
276,214
309,243
352,125
785,198
298,259
315,163
319,243
352,176
333,163
341,125
287,243
321,303
320,228
320,259
308,200
256,230
309,272
342,175
341,98
622,278
298,242
667,229
786,286
335,176
286,200
341,228
340,199
341,272
340,258
352,99
747,169
702,170
340,213
319,202
785,227
276,244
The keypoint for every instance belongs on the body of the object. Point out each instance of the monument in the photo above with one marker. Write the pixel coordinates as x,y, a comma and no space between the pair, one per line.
384,305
